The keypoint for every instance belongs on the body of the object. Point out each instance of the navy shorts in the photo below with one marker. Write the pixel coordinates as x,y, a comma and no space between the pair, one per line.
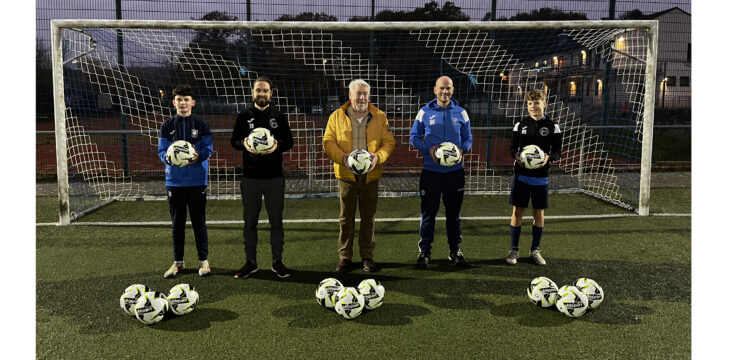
522,193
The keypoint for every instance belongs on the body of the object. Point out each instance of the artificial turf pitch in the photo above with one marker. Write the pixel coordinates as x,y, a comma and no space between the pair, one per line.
482,312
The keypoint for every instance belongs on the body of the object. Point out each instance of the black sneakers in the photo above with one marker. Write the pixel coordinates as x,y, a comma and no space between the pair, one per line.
457,259
279,269
246,271
423,260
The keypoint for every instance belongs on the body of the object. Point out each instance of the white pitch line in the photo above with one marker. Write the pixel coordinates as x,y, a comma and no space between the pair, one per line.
297,221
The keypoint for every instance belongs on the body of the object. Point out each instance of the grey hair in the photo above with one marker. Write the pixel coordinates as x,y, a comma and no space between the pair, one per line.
354,84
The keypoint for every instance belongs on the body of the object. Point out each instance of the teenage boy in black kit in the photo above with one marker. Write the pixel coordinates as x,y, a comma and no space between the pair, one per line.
263,175
532,184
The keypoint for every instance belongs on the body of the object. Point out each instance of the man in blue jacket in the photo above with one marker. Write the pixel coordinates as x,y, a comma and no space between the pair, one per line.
441,120
187,186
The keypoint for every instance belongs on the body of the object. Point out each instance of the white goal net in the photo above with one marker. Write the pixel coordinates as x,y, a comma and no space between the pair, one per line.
117,79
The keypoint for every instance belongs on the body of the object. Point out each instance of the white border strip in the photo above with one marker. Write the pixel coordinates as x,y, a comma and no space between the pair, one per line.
297,221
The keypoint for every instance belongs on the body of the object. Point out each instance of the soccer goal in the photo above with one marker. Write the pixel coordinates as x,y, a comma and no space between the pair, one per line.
113,82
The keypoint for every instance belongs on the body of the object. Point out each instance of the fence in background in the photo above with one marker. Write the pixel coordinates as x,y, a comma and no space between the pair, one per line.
673,77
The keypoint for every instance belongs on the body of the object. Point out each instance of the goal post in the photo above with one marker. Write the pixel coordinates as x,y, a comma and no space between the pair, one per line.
108,112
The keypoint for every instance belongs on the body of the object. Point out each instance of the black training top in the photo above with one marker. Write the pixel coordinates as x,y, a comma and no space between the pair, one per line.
263,166
544,133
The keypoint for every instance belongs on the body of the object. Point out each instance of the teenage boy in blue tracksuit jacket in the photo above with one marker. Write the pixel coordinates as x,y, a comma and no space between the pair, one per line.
187,186
441,120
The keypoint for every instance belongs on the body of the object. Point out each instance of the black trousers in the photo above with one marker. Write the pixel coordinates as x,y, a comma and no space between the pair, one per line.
434,186
272,192
182,199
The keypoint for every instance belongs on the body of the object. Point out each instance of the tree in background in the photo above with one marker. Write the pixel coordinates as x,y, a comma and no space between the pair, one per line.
631,15
308,16
429,12
549,14
217,39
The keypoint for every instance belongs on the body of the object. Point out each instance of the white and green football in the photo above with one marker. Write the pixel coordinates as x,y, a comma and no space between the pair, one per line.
183,299
260,140
571,301
532,156
129,298
359,161
447,154
151,307
373,293
180,153
349,303
542,291
592,290
326,290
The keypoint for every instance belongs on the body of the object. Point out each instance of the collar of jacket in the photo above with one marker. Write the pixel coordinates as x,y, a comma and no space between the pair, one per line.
183,118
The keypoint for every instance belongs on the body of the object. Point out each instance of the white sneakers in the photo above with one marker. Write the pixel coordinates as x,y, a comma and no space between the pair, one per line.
204,268
534,255
177,266
174,269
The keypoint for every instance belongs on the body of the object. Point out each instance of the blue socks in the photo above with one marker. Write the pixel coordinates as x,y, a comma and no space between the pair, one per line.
514,236
536,237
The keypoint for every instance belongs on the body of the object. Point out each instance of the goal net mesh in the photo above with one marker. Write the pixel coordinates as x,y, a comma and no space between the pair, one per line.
118,90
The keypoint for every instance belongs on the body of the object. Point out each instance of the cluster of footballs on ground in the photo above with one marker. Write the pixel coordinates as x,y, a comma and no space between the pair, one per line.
349,301
150,307
572,300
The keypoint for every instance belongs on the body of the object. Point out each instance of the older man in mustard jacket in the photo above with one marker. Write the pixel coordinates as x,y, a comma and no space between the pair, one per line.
358,124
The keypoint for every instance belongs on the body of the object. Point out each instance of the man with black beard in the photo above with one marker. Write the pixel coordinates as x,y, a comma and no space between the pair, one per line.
263,175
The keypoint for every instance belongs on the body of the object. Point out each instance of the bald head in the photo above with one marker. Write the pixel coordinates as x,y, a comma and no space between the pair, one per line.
444,79
443,89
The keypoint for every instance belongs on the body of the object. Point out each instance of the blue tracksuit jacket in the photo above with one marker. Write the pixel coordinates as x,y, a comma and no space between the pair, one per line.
196,131
434,125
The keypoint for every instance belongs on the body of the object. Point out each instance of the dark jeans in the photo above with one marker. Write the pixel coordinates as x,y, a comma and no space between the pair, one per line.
434,186
272,191
182,199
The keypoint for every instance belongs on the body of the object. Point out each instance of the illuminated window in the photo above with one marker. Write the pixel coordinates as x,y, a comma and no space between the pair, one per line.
583,57
555,61
599,88
573,89
621,43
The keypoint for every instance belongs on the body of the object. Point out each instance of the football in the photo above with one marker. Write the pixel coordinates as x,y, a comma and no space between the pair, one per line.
151,307
447,154
592,290
183,299
130,296
260,140
571,301
372,292
180,153
359,161
326,291
542,292
349,303
532,156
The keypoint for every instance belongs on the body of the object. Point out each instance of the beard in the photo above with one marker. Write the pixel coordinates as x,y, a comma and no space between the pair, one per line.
360,107
261,101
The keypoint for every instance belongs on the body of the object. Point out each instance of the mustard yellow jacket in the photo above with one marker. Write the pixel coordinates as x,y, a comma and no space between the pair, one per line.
337,141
